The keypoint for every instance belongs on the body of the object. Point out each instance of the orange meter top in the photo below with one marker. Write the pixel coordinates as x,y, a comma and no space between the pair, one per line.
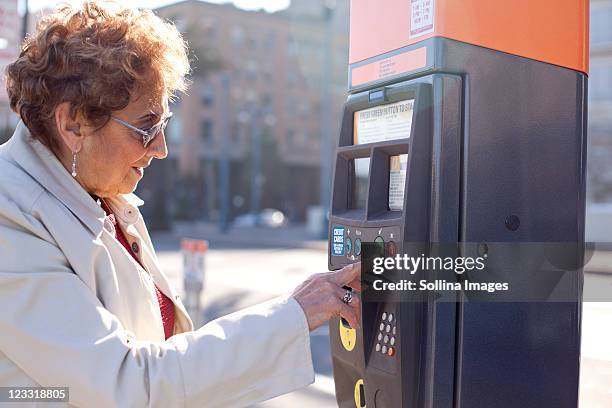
552,31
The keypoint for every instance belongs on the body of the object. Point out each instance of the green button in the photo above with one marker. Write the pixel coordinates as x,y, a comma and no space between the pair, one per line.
379,246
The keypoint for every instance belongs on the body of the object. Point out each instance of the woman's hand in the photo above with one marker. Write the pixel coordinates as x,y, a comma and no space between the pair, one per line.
321,296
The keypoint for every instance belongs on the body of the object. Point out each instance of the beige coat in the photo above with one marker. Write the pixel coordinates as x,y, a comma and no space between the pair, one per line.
77,311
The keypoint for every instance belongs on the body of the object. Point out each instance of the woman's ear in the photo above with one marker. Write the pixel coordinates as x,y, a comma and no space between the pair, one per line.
68,124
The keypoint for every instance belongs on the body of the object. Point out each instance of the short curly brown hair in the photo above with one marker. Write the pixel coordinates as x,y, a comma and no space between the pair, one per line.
95,57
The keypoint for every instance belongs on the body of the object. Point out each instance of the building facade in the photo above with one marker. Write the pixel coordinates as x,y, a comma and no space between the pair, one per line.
262,86
599,161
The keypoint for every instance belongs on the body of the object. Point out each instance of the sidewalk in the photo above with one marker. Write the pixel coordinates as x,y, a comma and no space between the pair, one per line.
240,277
601,262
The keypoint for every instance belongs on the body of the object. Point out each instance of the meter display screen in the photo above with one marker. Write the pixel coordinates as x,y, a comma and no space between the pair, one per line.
397,181
384,122
360,171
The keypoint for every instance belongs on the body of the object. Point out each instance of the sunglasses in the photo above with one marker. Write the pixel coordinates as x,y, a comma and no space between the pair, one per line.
149,134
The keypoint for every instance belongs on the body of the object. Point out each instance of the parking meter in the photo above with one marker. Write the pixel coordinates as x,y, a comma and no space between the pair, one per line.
465,122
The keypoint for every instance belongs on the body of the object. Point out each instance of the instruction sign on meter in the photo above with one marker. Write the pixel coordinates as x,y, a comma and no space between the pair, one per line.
382,123
397,181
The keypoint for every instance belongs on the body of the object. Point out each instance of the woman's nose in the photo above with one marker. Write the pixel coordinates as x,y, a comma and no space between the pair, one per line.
158,148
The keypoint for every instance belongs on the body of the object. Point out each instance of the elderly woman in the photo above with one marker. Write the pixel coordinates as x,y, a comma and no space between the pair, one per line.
84,303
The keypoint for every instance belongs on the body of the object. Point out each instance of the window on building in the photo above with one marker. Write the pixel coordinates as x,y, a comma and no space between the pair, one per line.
251,70
314,141
209,28
270,40
292,78
252,43
292,47
237,35
600,80
207,95
266,100
206,132
290,137
303,108
600,24
174,130
236,132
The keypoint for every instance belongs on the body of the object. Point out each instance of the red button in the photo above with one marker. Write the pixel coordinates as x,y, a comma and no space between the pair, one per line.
391,351
391,248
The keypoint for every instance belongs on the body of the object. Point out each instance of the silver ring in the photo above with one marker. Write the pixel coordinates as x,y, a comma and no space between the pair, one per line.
348,297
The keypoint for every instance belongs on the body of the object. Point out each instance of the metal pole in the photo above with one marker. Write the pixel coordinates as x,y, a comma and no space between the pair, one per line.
255,165
25,19
326,123
224,160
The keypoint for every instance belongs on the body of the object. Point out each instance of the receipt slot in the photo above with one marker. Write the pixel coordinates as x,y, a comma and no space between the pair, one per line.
465,122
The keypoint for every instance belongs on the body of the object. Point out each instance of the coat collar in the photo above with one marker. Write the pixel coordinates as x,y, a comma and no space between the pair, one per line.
42,165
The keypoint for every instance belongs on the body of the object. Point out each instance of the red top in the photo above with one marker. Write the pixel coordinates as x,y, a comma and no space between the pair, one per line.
166,305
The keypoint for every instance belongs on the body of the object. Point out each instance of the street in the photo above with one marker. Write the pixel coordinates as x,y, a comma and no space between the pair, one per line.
238,276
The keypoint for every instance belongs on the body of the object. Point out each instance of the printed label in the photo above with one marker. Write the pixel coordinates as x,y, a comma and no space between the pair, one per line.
337,240
383,123
422,14
395,65
397,182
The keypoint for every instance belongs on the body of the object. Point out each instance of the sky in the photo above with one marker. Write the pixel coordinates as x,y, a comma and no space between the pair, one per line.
268,5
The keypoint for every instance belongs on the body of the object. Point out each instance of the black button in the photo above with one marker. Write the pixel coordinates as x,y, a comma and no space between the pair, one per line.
135,247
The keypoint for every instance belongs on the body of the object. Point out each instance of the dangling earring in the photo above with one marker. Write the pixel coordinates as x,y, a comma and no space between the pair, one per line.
74,164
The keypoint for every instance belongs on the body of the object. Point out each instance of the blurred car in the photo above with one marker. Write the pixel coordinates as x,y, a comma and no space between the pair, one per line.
268,217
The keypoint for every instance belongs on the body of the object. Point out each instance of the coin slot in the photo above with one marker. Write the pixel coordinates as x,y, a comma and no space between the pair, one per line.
360,399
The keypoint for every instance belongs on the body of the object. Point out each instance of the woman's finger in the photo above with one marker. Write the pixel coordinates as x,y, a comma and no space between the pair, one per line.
349,273
355,285
340,292
354,305
348,313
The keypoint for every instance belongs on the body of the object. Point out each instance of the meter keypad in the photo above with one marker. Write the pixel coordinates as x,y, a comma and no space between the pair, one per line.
386,335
